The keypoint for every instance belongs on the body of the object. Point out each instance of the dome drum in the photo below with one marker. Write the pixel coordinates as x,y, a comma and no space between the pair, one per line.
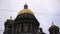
28,21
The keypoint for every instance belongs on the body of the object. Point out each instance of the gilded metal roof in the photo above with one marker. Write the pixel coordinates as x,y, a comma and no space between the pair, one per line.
25,11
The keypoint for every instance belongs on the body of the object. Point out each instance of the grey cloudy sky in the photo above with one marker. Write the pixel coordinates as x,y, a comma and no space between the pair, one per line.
45,11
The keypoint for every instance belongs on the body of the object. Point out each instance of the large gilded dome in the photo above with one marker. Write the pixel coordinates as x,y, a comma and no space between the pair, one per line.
25,10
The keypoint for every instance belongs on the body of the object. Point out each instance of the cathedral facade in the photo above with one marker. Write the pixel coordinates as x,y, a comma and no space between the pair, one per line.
26,23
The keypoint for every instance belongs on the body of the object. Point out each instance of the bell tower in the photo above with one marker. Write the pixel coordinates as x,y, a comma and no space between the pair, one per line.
8,26
54,29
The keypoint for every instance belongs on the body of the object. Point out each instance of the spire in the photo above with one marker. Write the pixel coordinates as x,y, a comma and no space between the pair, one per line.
25,6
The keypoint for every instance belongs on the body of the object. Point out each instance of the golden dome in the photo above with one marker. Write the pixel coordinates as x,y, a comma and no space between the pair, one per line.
25,10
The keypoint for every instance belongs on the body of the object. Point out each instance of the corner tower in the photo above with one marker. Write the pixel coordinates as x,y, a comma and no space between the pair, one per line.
26,22
54,29
9,26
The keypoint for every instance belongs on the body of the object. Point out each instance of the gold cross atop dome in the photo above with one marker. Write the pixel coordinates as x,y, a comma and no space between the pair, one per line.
25,10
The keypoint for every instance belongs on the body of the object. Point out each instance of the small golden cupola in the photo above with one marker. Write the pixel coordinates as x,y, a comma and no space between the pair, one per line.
11,18
53,26
54,29
25,10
